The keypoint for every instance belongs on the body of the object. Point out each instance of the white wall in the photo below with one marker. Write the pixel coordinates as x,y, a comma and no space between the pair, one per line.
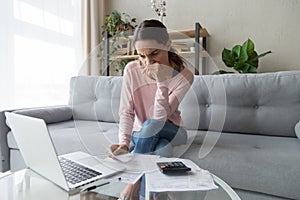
272,25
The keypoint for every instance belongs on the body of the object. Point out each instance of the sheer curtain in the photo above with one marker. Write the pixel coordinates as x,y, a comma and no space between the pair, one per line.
92,16
40,50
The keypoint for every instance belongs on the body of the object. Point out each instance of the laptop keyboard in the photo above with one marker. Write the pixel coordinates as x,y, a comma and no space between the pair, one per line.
75,172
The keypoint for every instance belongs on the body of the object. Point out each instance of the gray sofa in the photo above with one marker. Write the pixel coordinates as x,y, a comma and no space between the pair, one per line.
241,128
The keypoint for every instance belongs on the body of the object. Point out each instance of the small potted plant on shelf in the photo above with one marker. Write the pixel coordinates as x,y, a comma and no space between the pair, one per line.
242,58
118,27
118,23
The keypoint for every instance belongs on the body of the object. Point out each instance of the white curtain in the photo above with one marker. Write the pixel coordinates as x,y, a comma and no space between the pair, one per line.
40,51
92,17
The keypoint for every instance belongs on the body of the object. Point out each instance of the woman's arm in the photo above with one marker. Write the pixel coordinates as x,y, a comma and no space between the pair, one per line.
166,100
126,111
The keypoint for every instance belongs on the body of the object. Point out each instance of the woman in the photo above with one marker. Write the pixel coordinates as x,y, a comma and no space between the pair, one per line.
151,93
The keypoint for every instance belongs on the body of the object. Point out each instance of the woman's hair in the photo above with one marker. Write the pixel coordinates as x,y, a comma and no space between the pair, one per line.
155,30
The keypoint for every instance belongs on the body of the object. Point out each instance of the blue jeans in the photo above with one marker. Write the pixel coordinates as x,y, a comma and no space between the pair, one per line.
157,137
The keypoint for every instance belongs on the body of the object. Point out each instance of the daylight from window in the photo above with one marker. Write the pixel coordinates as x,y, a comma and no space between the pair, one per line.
40,51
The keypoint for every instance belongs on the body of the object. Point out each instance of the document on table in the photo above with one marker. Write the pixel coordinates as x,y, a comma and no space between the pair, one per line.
126,177
136,165
197,179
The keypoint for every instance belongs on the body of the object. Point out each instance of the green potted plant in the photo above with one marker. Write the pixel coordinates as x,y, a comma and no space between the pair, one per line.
118,26
118,23
242,58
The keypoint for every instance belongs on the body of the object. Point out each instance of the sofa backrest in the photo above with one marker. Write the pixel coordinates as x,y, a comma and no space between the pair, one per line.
95,98
265,103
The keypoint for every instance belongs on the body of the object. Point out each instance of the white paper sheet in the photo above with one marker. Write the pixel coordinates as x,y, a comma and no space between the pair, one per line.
135,164
197,179
140,164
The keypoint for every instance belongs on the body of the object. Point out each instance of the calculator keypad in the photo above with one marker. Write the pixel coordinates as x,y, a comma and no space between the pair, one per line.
173,167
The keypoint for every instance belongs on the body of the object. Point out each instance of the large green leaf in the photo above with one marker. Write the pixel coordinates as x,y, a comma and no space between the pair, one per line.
244,59
244,55
228,58
241,67
253,59
236,50
249,46
252,69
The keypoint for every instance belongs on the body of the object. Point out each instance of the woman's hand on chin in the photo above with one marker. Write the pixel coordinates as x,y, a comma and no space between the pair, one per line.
158,72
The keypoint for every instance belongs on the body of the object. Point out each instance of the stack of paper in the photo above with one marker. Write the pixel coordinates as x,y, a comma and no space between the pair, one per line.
136,165
197,179
139,164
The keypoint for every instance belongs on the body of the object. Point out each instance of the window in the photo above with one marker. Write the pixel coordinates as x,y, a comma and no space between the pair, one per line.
40,51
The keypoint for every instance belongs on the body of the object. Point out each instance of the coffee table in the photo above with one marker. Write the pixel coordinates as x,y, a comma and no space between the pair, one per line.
27,185
197,184
224,192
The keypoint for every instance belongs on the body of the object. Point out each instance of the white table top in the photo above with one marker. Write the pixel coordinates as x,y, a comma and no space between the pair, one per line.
198,184
27,185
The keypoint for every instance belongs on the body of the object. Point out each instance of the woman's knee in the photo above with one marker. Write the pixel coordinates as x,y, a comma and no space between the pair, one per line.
164,148
150,128
154,123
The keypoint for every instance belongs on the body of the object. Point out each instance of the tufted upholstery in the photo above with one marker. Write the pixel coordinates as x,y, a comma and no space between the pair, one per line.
95,98
267,104
240,103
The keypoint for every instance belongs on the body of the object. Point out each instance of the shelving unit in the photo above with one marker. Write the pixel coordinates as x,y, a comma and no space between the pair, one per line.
125,53
198,33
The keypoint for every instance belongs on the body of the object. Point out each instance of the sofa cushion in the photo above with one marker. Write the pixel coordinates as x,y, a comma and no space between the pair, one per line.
95,98
257,163
89,136
266,103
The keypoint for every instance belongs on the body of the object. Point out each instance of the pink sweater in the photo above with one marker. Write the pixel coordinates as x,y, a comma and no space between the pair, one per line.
143,98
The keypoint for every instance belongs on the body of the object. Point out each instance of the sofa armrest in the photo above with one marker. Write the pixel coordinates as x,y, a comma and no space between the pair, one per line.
297,130
51,114
4,150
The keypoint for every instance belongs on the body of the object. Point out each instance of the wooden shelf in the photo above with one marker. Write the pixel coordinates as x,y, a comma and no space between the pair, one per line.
198,34
174,35
187,54
188,33
190,54
115,58
124,40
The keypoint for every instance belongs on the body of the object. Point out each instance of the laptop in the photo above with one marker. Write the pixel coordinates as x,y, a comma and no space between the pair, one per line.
37,148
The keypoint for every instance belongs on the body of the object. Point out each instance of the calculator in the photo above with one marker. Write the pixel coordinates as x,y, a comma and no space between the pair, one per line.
174,167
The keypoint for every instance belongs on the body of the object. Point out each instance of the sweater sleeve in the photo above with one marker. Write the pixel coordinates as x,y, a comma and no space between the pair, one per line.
126,111
167,101
161,101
